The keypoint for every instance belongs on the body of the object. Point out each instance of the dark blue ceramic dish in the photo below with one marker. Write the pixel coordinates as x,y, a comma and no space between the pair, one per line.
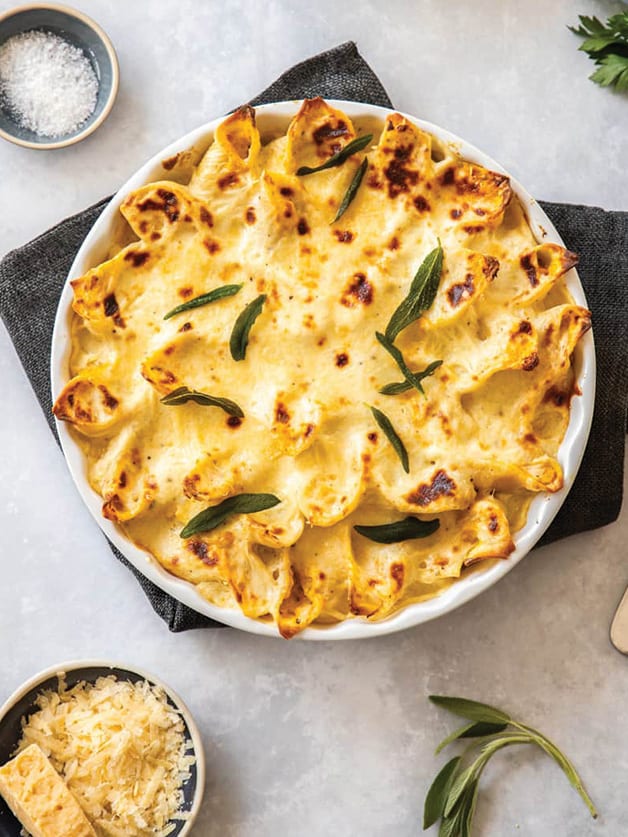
22,703
84,33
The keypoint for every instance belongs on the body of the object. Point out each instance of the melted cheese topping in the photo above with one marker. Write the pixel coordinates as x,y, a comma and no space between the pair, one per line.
481,442
120,747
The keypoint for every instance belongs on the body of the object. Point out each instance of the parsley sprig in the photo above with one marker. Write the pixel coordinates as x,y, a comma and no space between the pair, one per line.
453,794
607,45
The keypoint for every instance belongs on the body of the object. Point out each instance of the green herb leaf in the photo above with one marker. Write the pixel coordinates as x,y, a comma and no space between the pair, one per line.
461,782
474,771
471,797
563,762
471,709
401,530
339,158
607,45
612,72
352,190
412,378
214,516
455,825
449,827
391,434
589,26
204,299
240,335
396,355
421,295
439,791
459,808
404,386
182,395
473,730
396,389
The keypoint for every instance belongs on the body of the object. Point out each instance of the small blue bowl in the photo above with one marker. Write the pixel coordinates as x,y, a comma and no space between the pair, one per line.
83,33
23,702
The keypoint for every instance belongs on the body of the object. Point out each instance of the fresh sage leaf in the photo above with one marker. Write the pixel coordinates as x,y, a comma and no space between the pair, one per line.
481,730
461,783
396,389
391,434
182,395
473,730
563,762
404,386
437,794
339,157
455,824
214,516
457,733
468,809
240,335
472,710
421,294
204,299
461,796
412,378
474,771
488,750
451,826
401,530
396,355
352,190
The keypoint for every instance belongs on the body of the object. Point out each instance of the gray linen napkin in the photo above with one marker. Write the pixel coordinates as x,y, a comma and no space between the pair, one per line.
31,279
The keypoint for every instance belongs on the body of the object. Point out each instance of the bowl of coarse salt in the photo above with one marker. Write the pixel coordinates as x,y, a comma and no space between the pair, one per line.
58,76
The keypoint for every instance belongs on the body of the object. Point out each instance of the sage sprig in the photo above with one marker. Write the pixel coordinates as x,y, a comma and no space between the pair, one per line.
404,386
339,157
352,190
412,379
182,395
453,793
214,516
204,299
421,295
391,434
400,530
240,334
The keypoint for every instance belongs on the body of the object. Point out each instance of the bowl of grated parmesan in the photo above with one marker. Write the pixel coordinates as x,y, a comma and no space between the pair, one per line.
99,750
58,76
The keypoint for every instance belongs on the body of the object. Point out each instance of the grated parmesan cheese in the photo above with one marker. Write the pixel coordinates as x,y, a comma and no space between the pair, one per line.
120,747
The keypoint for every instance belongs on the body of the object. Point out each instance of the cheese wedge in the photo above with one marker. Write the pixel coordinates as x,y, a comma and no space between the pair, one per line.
39,797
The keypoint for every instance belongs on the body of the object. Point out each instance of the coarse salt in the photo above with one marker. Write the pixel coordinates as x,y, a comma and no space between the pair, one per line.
46,83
